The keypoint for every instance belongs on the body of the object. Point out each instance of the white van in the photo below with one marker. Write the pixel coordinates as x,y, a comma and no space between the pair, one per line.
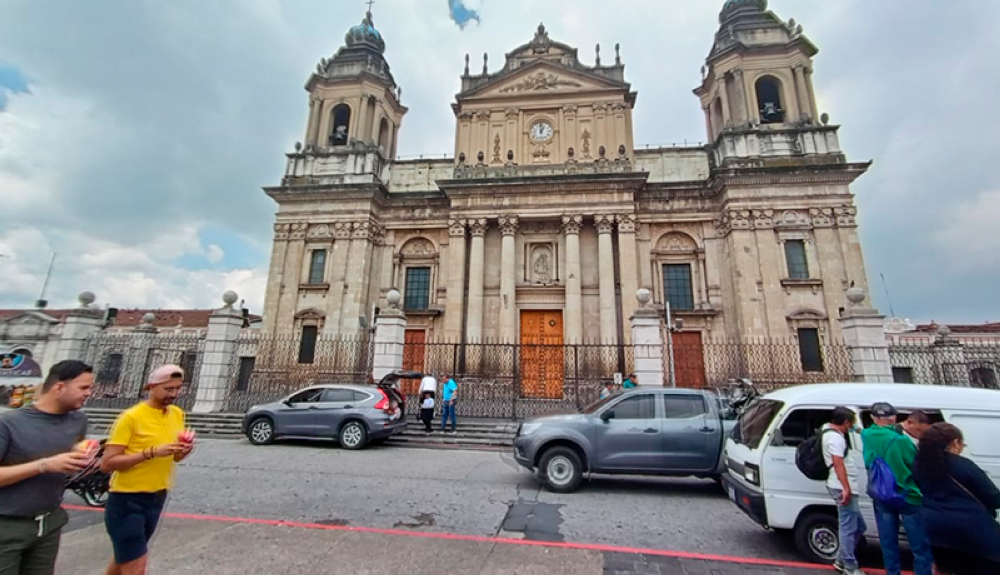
761,475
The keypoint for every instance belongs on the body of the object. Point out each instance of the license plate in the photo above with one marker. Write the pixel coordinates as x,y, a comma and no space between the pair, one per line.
732,494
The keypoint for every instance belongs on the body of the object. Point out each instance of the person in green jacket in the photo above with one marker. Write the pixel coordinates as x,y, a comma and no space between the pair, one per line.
883,440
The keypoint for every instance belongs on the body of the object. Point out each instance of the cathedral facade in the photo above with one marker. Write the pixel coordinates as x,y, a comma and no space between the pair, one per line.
547,219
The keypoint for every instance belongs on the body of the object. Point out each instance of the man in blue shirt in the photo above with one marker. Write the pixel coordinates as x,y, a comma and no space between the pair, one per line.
449,396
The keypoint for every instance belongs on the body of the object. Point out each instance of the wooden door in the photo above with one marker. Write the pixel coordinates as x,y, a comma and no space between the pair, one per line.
414,351
689,359
542,354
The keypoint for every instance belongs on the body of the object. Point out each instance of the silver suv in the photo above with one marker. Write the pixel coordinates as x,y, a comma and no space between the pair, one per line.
355,415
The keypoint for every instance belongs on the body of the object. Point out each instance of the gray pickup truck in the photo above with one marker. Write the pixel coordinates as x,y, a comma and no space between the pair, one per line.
640,431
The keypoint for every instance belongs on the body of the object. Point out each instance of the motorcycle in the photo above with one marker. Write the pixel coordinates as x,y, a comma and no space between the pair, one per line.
90,483
740,395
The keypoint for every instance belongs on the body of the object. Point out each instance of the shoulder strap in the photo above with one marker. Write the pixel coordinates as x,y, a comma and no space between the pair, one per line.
966,490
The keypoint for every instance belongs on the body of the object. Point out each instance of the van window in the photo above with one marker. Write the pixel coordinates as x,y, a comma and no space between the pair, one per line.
904,412
800,425
754,422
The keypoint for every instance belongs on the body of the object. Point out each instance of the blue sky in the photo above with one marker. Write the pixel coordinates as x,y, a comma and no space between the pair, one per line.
135,137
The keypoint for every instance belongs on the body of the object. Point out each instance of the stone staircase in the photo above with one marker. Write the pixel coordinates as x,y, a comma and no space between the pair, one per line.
471,434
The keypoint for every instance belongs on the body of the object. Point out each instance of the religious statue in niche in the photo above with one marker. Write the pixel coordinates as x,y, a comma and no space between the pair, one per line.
586,144
542,267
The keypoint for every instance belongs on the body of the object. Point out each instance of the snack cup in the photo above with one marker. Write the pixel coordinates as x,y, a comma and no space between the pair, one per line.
88,447
187,436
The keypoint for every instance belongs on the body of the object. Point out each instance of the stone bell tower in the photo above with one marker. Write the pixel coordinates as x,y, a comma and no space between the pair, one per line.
757,89
353,98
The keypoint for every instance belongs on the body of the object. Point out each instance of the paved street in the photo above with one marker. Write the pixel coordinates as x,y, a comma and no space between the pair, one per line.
472,494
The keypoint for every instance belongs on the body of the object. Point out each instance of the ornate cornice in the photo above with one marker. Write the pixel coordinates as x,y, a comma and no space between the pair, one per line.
281,231
297,230
572,224
843,216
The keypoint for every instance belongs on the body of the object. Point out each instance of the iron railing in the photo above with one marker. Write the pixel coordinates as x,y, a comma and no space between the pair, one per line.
123,361
770,363
947,361
517,380
267,368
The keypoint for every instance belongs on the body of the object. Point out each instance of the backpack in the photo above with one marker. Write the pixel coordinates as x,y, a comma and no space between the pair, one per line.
882,487
809,457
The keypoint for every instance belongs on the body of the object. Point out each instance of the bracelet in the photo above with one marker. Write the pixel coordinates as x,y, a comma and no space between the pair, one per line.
41,466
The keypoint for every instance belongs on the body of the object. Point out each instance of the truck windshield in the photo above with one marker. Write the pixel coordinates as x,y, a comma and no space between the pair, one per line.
754,422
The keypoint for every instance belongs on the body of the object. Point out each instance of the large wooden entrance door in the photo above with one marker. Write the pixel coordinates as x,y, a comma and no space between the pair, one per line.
689,359
414,351
542,354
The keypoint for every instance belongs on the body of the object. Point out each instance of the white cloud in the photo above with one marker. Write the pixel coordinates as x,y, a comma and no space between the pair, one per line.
214,254
968,238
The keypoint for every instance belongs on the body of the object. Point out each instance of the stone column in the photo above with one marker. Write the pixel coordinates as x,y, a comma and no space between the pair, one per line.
323,135
647,341
606,267
456,281
810,91
508,280
573,317
805,111
727,114
628,274
741,97
864,335
390,337
311,128
338,271
216,375
358,274
474,329
79,325
291,276
276,278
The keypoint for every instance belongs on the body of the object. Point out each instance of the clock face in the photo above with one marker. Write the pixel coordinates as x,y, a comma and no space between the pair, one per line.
541,132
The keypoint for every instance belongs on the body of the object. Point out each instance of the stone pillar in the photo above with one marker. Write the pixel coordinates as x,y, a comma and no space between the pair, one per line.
79,325
276,278
727,114
314,111
456,281
508,280
810,90
864,335
741,97
323,135
628,273
359,262
390,337
291,276
337,275
216,375
647,341
805,111
606,267
573,314
474,329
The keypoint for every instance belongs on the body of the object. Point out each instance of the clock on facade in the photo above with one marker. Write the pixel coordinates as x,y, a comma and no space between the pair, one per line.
541,132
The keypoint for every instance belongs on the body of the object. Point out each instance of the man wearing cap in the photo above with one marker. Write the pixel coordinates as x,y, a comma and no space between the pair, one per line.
883,440
141,453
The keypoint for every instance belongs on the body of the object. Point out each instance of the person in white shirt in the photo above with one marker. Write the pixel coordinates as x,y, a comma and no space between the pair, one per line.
428,384
427,410
842,483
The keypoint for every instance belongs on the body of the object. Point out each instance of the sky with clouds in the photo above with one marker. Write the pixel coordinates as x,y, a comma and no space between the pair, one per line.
135,137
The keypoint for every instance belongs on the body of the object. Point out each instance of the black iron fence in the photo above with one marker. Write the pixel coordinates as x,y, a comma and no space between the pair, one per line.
769,363
267,368
123,361
967,363
517,380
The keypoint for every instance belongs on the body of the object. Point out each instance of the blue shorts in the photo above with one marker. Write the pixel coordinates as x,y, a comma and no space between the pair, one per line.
131,520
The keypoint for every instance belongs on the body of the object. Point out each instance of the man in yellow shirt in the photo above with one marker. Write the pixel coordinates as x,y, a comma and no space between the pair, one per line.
141,453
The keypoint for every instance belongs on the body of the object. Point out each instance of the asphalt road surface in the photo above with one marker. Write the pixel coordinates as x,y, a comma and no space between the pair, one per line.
457,491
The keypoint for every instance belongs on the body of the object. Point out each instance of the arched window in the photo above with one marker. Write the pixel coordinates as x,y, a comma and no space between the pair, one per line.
341,115
383,136
769,101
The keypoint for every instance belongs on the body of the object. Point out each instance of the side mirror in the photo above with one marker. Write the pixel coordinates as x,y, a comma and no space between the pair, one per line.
287,402
609,414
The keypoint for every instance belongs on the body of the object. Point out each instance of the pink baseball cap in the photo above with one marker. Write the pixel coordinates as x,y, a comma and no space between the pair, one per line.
165,373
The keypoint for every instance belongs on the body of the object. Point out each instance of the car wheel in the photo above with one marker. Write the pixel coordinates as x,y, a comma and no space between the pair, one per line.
561,469
261,431
353,435
816,537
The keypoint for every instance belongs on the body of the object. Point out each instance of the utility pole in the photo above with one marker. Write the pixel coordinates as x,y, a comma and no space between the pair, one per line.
42,303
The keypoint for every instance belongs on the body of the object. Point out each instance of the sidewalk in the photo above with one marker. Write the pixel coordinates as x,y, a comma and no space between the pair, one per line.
222,546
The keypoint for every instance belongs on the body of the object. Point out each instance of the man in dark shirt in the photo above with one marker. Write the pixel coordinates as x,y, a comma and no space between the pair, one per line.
37,452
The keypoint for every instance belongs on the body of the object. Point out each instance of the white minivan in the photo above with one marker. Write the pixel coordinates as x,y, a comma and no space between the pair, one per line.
761,475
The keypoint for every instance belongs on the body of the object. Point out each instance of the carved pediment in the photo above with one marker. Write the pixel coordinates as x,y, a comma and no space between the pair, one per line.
806,315
542,77
29,318
418,247
311,313
676,242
